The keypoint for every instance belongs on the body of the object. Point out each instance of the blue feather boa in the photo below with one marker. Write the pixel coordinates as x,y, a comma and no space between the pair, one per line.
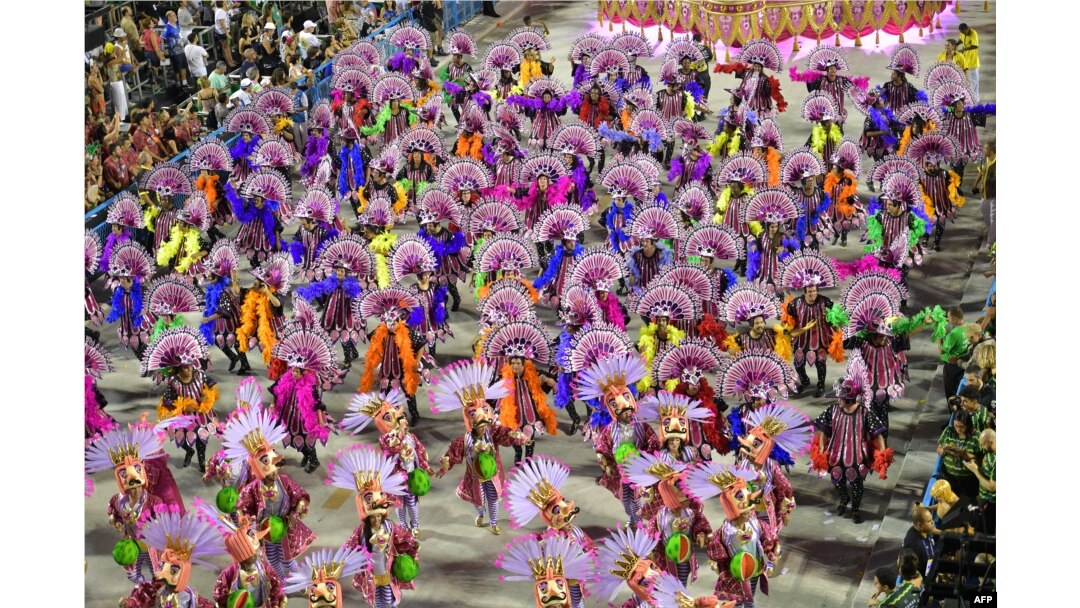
326,286
136,304
753,260
737,429
645,81
350,154
729,278
580,75
296,249
662,200
438,316
614,135
564,391
402,63
695,91
653,139
616,237
241,150
882,121
920,95
213,297
982,108
554,262
920,212
873,207
621,84
443,250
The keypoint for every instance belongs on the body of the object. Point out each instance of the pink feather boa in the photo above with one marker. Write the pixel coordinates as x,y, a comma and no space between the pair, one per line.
304,389
556,194
861,82
612,312
96,420
867,263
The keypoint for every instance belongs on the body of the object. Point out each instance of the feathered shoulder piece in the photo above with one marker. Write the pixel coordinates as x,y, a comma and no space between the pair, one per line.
871,314
819,106
503,55
172,295
680,49
562,222
633,43
587,44
276,272
609,64
348,251
690,132
223,258
505,252
126,211
362,468
664,300
933,148
438,206
494,216
768,135
465,381
108,450
247,119
848,156
248,431
321,116
641,97
130,259
410,37
772,205
541,558
597,269
538,86
873,281
388,304
355,80
824,57
507,301
371,52
411,256
904,58
325,565
743,168
270,184
711,240
617,560
96,359
919,110
272,151
307,349
274,101
524,339
710,478
422,139
799,164
764,52
895,164
529,38
942,72
209,154
597,342
695,201
745,301
348,60
576,138
316,204
806,268
688,362
578,306
175,347
167,179
624,180
762,375
392,86
533,485
949,93
543,163
461,174
654,222
459,42
688,278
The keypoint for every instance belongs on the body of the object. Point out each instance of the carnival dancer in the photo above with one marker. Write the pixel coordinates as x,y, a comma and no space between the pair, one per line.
456,71
694,165
959,123
877,139
263,218
824,65
705,244
504,57
318,165
802,171
598,270
577,308
412,259
554,564
353,114
424,154
395,352
321,574
893,234
252,125
548,187
755,379
308,354
317,212
130,265
345,260
234,474
916,119
737,178
650,227
825,134
547,100
623,558
682,370
748,303
940,186
164,182
518,347
841,183
249,578
466,385
185,247
772,209
125,219
167,298
813,336
898,92
447,243
662,308
560,226
96,362
393,96
576,141
211,160
178,541
760,90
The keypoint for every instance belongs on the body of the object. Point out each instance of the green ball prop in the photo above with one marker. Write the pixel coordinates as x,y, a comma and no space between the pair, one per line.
231,602
744,566
625,452
226,499
485,464
678,548
419,482
404,568
277,528
125,552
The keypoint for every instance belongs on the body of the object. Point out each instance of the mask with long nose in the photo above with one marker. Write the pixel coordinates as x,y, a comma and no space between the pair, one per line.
130,474
621,403
478,416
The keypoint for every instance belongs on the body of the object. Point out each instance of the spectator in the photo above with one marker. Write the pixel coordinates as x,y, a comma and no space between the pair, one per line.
271,15
920,538
171,138
908,565
95,89
987,187
310,45
186,17
906,595
151,46
94,182
115,66
336,45
257,81
248,34
175,48
952,371
949,55
300,103
250,60
489,9
219,80
242,97
431,19
528,23
266,47
986,472
957,445
204,97
114,170
981,416
131,33
952,511
222,32
969,49
196,56
221,110
975,375
278,78
145,139
296,71
291,48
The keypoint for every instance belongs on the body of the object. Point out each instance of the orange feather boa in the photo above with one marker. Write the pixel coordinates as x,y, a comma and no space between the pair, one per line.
471,146
508,411
256,307
772,159
534,295
187,405
786,318
819,461
842,202
374,355
208,186
836,346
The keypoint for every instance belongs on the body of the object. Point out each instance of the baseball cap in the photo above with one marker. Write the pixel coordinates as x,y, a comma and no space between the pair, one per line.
245,83
269,26
119,33
308,24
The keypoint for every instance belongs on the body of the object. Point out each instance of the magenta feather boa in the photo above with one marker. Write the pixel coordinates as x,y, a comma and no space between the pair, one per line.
861,82
556,194
612,312
867,263
97,421
304,389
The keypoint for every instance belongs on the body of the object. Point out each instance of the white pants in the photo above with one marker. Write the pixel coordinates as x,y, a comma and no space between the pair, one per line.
974,75
119,99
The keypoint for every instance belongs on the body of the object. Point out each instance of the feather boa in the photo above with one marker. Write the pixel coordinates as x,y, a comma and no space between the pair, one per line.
564,391
647,346
730,68
508,409
808,76
737,429
614,135
490,158
618,236
402,63
381,246
921,224
161,325
731,345
117,308
580,75
882,121
772,160
384,115
782,339
724,200
989,109
481,99
954,185
296,250
443,250
304,391
612,311
452,88
213,298
554,263
709,328
256,310
882,460
556,194
438,315
314,291
351,172
556,105
781,103
695,91
179,238
786,317
186,405
314,151
112,241
817,137
676,168
374,355
208,186
529,71
711,427
847,192
753,261
653,139
470,146
875,235
241,150
836,346
837,316
96,420
867,263
723,141
283,123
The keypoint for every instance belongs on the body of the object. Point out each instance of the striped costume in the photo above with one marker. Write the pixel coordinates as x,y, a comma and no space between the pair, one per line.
847,448
899,95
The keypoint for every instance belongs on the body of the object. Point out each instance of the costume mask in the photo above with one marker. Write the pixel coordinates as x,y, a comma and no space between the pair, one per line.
619,399
758,444
129,474
640,578
556,511
551,589
673,425
673,497
244,543
737,498
388,417
325,590
263,459
175,569
370,499
477,415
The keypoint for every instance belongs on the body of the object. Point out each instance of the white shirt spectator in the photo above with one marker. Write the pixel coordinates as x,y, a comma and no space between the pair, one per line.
221,15
240,98
308,40
196,59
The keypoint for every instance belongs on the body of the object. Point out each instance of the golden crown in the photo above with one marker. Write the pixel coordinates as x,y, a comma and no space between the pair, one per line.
723,479
366,480
683,601
179,546
614,379
660,470
772,426
625,565
254,442
329,571
470,393
371,407
548,568
121,452
671,409
542,494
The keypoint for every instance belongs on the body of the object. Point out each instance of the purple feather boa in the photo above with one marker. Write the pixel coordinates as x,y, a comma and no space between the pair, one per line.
452,87
556,105
481,99
402,63
241,150
489,155
106,253
326,286
443,250
701,167
314,151
247,214
564,392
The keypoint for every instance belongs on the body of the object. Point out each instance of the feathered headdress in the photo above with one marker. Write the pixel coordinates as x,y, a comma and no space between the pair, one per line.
96,360
246,119
356,81
272,151
855,385
175,347
388,304
543,163
895,164
532,485
667,301
597,269
409,37
472,120
587,44
494,216
711,240
943,72
576,138
223,258
786,426
743,168
167,179
250,431
619,559
711,478
578,306
327,566
870,315
506,252
819,106
411,256
824,57
654,222
848,155
688,362
538,86
276,272
646,120
523,339
648,165
881,282
669,72
596,342
392,86
210,154
365,408
807,268
363,467
682,49
349,60
545,561
347,251
421,139
270,184
321,116
108,450
633,44
901,187
189,538
196,212
609,64
126,211
379,212
129,259
764,52
768,135
485,78
604,372
904,58
459,42
371,52
306,349
645,470
463,382
932,148
389,160
691,133
695,201
316,204
509,117
762,375
529,38
503,55
274,101
772,205
172,295
691,279
919,110
462,174
438,206
641,97
664,403
624,180
558,223
800,164
746,301
507,300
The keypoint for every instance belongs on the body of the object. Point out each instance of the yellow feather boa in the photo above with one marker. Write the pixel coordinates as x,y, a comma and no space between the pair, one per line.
283,123
817,137
361,199
928,205
180,239
401,202
724,200
381,246
187,405
783,342
731,142
256,309
731,344
954,185
689,108
647,347
530,69
148,216
670,385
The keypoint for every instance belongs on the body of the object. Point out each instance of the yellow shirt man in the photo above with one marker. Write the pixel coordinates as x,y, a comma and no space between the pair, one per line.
969,49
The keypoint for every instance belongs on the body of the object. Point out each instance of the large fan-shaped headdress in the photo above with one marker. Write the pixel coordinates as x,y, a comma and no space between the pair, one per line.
610,63
492,215
711,240
688,278
269,184
532,486
388,161
545,560
223,258
503,55
871,314
459,42
538,86
411,256
91,251
772,205
392,86
654,222
126,211
523,339
919,110
250,431
848,155
895,164
855,385
667,301
943,72
669,73
543,163
711,478
578,306
768,135
321,116
807,268
507,301
371,52
576,138
272,151
588,44
316,204
597,269
665,403
167,179
688,362
349,60
307,349
172,295
695,201
619,558
438,206
633,44
347,251
901,187
743,168
210,154
274,101
410,37
529,38
196,212
355,80
641,97
559,223
327,566
648,165
96,360
800,164
824,57
681,49
762,375
129,259
597,342
506,252
646,120
276,272
421,139
462,174
785,426
387,304
509,117
361,468
624,180
247,119
763,52
883,282
175,347
819,106
746,301
932,148
109,450
691,133
904,58
188,538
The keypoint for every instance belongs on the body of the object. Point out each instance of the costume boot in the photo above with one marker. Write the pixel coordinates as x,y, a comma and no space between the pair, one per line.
231,355
575,419
414,414
245,368
455,296
188,453
313,461
200,448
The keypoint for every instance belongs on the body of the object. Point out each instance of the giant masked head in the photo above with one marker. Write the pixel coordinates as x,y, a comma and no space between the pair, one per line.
551,589
478,415
371,501
175,567
557,511
758,443
263,459
673,424
737,497
129,472
620,402
325,591
639,574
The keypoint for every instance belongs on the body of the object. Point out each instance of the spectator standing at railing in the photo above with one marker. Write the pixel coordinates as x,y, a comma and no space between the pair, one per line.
921,537
981,416
196,56
131,33
250,61
986,473
247,35
116,64
222,32
151,46
95,89
299,119
431,18
310,45
266,47
186,16
175,47
205,95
